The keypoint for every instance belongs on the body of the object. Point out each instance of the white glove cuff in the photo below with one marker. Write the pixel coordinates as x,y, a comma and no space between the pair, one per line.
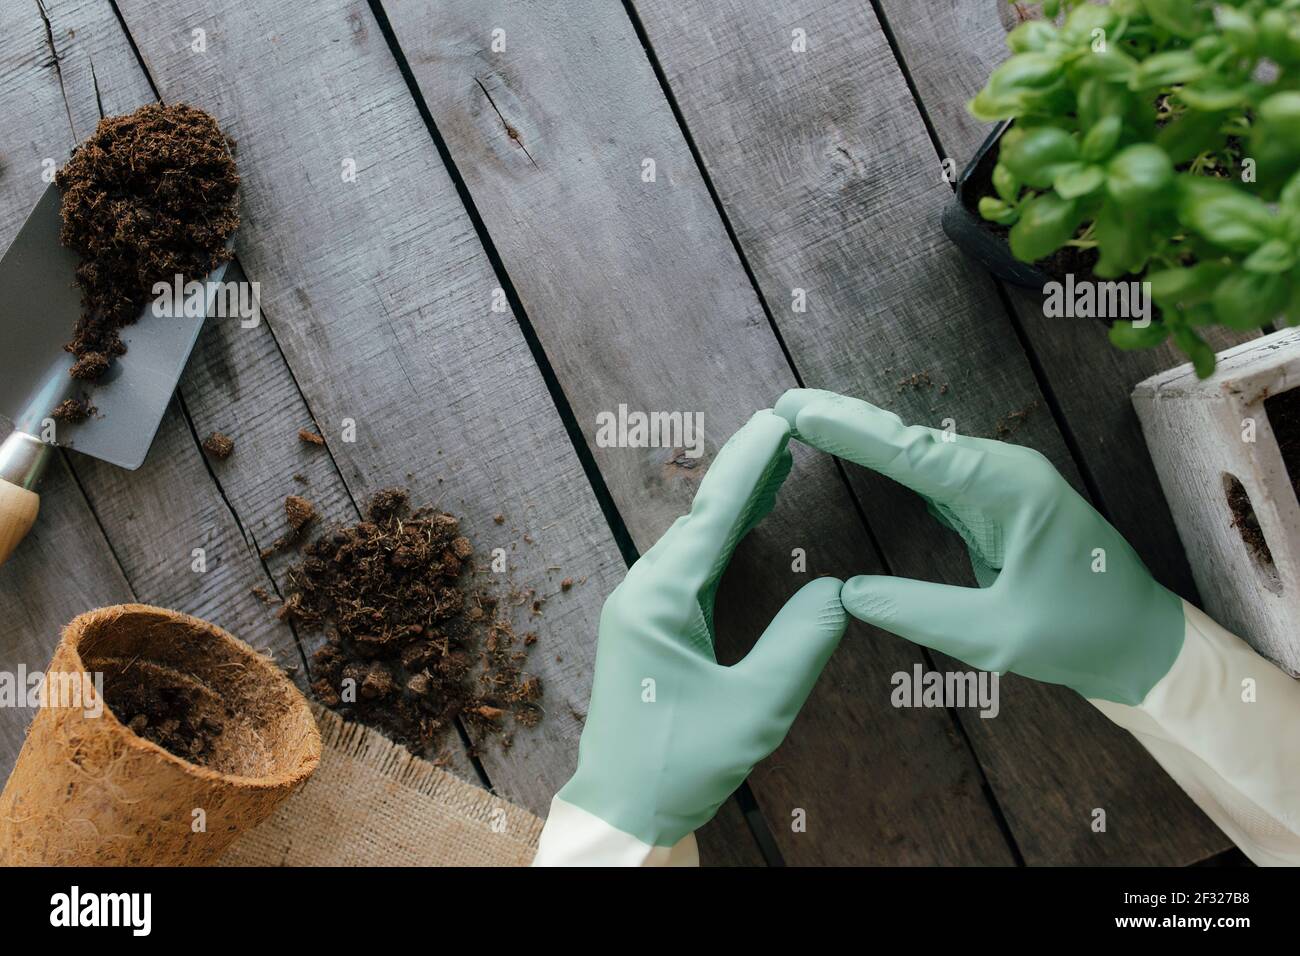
574,837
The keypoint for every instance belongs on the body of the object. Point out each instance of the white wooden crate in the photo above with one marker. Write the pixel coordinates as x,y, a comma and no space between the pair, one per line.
1198,433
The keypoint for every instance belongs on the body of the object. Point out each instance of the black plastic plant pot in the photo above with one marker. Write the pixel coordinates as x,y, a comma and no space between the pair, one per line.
977,237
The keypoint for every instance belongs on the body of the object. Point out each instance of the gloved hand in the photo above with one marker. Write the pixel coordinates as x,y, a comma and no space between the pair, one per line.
1062,596
670,733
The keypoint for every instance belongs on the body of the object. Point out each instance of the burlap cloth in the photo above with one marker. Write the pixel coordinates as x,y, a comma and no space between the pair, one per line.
370,803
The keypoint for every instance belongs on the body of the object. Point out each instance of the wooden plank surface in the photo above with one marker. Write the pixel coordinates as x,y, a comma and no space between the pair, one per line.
153,540
948,54
824,167
638,298
380,297
65,566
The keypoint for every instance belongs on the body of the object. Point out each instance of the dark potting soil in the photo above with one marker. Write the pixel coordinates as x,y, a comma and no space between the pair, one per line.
168,715
1064,261
148,196
1246,522
219,445
73,410
412,644
1283,412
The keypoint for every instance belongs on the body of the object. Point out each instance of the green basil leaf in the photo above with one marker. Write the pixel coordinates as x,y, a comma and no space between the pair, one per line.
1112,65
1196,349
1167,69
1047,222
1280,115
1125,335
1005,183
1278,38
1190,135
1032,35
1034,157
1224,214
1275,255
1182,18
1100,141
1289,202
1189,285
1141,173
1078,179
1248,300
1123,240
1212,95
995,210
1238,28
1017,84
1078,26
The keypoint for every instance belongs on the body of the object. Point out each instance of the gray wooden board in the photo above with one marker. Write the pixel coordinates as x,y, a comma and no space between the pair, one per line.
825,169
948,54
380,297
153,540
638,298
237,383
65,565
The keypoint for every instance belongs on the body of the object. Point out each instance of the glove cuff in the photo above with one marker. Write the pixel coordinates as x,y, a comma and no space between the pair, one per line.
574,837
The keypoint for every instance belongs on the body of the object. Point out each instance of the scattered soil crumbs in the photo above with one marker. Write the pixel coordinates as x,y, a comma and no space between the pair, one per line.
309,438
73,410
299,511
412,644
1012,422
166,715
147,196
90,366
218,445
1245,520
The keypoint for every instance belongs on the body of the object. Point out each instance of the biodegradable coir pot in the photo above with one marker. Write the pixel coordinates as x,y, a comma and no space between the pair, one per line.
88,790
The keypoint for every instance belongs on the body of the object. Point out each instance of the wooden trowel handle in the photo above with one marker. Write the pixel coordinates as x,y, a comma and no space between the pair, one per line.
22,459
18,508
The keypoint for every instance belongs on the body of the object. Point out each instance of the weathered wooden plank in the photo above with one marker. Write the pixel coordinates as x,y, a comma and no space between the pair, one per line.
381,298
152,536
154,540
948,54
237,383
65,565
639,299
824,167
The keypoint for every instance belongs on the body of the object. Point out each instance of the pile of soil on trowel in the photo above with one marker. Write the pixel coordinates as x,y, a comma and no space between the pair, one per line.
149,196
413,645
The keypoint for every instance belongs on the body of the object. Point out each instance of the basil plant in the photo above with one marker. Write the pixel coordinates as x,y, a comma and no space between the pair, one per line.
1164,135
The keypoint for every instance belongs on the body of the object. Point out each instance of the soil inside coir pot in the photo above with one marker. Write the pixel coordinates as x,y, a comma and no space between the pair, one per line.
171,715
198,694
413,643
149,196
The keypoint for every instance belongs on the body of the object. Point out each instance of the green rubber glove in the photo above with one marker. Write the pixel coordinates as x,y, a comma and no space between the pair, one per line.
670,733
1062,597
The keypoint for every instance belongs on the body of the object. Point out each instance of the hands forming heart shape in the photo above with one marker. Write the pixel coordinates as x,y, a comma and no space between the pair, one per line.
1062,598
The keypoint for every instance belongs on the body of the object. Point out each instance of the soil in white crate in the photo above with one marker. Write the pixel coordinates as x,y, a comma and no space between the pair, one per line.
1283,412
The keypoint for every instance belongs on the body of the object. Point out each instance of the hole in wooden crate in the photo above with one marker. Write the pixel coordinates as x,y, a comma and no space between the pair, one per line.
1283,411
1246,522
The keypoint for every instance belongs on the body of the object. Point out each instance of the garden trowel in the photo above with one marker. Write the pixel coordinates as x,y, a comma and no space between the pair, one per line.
39,306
